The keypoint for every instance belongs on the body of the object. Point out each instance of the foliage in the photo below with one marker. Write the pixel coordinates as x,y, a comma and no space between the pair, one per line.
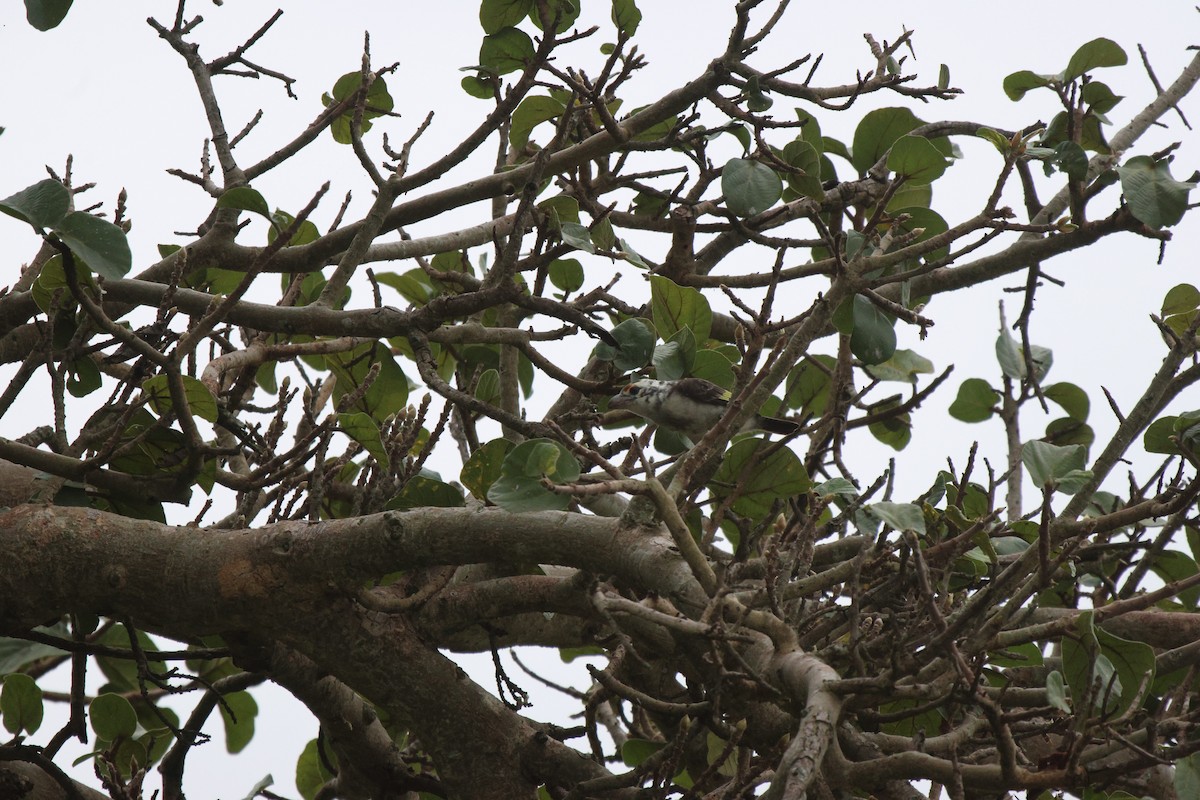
764,615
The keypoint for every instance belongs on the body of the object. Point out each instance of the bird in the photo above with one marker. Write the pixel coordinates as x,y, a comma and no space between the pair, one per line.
690,406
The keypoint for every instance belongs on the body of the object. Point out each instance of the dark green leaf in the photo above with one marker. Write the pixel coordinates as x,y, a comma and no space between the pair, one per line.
520,485
497,14
479,88
895,430
808,384
311,770
97,242
750,188
507,50
84,377
931,224
635,751
421,491
901,516
363,429
42,205
378,102
199,398
46,14
801,154
529,114
484,466
1070,398
1018,83
386,395
1099,97
238,711
246,199
1096,53
873,338
713,366
1072,160
757,482
635,345
675,307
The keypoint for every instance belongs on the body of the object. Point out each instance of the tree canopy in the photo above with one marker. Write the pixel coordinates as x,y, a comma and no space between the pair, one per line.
303,444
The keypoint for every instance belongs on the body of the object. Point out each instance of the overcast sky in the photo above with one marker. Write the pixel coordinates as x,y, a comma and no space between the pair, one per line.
105,88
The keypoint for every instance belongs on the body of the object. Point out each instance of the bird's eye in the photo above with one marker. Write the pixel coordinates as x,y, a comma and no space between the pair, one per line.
630,390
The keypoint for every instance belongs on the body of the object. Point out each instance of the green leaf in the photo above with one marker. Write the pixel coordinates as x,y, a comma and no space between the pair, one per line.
245,199
239,725
755,481
363,429
520,485
674,358
807,386
1096,53
713,366
635,751
46,14
378,102
577,236
1070,398
97,242
1018,83
873,336
1121,671
675,307
1187,776
635,345
901,516
916,159
528,115
17,653
1056,692
1181,299
1172,565
1049,464
21,703
387,395
112,717
1154,197
750,187
200,400
1099,98
903,366
998,139
488,388
803,155
42,205
566,11
84,377
929,221
484,466
311,770
894,430
1012,359
877,132
507,50
626,16
497,14
479,88
1071,159
421,491
1069,431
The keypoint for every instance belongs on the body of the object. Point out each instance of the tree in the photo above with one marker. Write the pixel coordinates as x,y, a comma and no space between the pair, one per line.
766,616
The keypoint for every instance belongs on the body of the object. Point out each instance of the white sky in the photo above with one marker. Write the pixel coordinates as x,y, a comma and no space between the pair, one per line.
105,88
